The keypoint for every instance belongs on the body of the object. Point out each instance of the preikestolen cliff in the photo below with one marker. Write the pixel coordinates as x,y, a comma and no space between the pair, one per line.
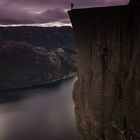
69,70
107,93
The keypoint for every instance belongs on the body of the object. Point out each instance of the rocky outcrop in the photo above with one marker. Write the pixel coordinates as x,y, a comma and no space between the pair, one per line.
68,59
107,93
24,65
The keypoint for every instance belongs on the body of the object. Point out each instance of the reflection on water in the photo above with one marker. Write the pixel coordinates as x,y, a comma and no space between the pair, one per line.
45,113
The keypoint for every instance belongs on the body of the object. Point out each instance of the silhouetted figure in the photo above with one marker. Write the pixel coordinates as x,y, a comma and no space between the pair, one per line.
72,6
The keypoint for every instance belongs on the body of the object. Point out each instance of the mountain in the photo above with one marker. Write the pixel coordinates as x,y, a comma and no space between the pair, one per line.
24,65
49,37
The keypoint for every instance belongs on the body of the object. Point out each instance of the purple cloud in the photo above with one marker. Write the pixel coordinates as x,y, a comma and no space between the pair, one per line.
44,11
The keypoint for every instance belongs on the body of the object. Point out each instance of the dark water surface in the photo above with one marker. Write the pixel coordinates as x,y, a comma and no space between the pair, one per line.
45,113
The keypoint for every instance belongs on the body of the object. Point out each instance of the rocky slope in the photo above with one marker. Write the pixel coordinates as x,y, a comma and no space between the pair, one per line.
107,93
23,65
49,37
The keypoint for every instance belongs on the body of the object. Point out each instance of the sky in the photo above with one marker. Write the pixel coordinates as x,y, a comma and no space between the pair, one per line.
45,12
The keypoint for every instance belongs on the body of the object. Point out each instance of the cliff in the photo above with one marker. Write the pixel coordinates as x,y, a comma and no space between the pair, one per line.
24,65
107,93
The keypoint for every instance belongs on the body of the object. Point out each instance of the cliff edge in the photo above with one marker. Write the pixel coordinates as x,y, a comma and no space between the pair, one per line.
107,93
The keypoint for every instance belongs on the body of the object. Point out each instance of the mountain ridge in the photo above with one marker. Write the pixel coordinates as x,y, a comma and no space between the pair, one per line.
48,37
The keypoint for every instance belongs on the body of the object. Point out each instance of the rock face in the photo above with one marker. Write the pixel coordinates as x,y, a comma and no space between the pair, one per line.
107,93
24,65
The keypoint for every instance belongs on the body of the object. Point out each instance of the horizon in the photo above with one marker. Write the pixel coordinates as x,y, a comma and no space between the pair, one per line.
38,25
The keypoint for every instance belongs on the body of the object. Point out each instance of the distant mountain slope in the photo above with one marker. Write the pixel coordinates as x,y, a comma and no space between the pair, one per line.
24,65
49,37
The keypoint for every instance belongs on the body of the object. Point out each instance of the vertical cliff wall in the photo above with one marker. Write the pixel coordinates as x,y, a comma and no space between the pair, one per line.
107,93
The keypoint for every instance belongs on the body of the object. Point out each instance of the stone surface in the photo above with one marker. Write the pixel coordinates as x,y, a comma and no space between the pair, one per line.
107,93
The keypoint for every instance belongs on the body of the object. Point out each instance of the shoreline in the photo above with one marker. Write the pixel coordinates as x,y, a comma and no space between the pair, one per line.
41,84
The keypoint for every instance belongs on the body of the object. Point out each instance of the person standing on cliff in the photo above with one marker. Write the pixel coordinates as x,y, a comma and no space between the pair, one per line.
72,6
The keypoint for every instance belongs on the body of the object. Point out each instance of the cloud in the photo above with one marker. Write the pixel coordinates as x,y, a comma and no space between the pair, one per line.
44,11
54,15
13,15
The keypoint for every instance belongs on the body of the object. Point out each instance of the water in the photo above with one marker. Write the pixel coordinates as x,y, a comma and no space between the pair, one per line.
45,113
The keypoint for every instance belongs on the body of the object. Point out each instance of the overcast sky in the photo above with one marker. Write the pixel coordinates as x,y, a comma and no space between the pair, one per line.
44,12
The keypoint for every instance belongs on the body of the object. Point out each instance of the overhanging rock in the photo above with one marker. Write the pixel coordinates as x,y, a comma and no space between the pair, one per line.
107,93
